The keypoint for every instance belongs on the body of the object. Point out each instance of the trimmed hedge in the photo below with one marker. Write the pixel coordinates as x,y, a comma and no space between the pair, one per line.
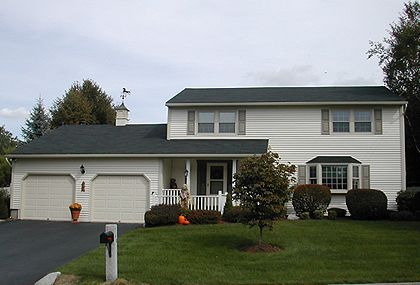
367,204
340,213
203,217
416,202
161,215
310,198
405,201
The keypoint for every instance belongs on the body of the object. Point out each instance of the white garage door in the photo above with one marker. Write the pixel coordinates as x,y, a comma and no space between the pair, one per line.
121,198
47,197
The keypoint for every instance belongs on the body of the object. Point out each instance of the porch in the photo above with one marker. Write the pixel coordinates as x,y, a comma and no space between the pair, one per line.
208,179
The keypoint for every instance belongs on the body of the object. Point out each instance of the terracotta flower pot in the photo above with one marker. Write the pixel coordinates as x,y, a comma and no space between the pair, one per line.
75,216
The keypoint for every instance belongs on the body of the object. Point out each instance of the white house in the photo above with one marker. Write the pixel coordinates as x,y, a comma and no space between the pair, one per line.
344,137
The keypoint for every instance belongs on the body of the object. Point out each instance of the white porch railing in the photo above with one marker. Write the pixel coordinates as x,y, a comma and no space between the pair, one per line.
197,202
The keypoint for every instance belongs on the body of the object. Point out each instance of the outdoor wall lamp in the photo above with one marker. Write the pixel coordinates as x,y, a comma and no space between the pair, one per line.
82,169
185,175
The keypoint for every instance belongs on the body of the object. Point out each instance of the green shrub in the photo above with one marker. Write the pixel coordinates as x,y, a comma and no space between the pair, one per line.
405,201
4,208
203,217
393,215
417,215
367,204
318,214
304,216
406,216
341,213
161,215
233,214
228,203
332,214
310,198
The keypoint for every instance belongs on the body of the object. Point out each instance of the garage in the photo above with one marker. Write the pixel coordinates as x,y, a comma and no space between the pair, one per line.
47,197
119,198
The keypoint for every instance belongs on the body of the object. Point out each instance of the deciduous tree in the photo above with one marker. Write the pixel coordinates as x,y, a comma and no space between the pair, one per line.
399,58
84,103
262,186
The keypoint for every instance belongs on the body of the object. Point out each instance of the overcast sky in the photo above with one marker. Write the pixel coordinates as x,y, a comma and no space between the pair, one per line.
157,48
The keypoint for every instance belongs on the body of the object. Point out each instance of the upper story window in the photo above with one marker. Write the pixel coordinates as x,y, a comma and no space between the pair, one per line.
206,122
363,121
341,121
227,122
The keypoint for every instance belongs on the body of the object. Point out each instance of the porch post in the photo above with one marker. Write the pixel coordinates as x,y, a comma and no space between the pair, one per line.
188,168
234,162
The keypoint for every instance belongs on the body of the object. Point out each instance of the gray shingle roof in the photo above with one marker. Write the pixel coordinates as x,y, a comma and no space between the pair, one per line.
285,94
133,139
333,159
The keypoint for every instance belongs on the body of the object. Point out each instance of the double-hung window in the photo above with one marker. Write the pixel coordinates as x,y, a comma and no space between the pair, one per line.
341,121
362,121
227,122
312,175
356,177
206,122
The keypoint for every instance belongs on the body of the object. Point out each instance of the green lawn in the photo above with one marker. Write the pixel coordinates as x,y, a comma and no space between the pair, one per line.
315,252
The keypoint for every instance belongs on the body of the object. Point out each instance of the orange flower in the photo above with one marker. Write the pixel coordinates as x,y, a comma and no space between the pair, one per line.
75,206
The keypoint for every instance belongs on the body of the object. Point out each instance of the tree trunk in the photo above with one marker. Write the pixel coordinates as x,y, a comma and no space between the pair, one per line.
261,235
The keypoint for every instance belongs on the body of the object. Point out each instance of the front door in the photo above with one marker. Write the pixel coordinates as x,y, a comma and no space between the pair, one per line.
216,178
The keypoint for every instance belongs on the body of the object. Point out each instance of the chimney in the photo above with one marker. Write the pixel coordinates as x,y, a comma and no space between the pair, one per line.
121,118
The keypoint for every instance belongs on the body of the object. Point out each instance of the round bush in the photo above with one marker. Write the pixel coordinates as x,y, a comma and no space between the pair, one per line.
310,198
304,216
405,201
161,215
367,204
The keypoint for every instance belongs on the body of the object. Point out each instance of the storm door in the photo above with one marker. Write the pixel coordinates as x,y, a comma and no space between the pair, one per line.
216,178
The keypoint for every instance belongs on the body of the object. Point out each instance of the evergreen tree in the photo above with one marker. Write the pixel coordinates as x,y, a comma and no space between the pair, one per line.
399,58
38,122
84,103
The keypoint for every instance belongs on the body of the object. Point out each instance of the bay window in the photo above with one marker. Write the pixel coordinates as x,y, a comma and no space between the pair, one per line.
335,176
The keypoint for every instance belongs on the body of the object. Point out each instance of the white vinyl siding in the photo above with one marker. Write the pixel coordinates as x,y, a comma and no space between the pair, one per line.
68,166
294,133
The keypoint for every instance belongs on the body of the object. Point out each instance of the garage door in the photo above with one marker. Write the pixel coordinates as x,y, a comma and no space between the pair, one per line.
47,197
119,198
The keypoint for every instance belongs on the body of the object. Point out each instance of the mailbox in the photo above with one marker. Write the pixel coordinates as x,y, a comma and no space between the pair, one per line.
107,238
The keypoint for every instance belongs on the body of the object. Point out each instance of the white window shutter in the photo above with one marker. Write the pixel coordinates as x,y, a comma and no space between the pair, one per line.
365,176
191,123
241,122
378,121
301,174
325,117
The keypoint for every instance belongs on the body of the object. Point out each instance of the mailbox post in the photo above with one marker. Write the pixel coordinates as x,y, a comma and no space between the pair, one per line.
110,239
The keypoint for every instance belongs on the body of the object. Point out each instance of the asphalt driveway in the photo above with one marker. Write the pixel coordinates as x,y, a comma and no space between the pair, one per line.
31,249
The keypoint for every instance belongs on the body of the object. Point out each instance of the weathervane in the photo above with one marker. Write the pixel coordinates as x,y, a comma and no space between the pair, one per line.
124,94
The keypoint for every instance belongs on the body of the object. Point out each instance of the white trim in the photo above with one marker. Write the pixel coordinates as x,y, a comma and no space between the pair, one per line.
208,166
128,155
402,145
287,103
119,174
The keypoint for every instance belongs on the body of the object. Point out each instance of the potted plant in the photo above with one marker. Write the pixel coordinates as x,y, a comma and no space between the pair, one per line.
75,209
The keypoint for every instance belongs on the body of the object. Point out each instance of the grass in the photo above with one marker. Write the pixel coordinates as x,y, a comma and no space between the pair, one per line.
315,252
